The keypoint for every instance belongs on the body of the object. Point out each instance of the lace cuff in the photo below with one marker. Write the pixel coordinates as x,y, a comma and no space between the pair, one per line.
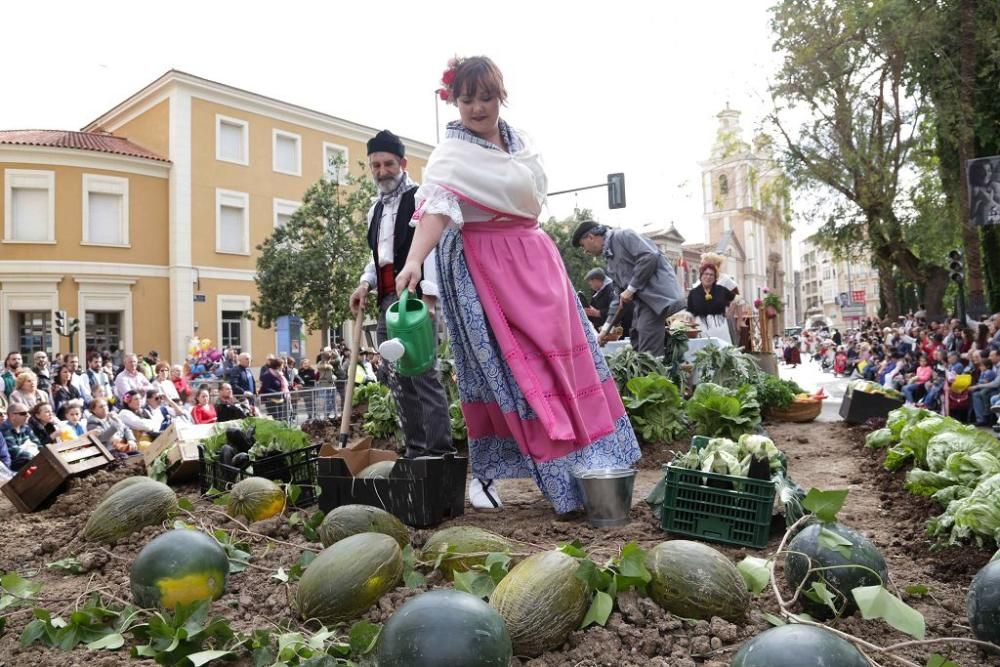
435,199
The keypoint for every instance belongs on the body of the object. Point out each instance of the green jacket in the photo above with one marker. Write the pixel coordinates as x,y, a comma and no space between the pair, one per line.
8,383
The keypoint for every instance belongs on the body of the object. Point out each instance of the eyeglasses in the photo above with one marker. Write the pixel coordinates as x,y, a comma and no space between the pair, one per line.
22,414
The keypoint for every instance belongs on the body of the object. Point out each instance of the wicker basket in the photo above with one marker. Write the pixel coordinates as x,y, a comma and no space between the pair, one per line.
796,412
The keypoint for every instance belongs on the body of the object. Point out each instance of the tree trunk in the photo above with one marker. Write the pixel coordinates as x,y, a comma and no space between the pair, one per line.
887,286
934,287
991,266
966,151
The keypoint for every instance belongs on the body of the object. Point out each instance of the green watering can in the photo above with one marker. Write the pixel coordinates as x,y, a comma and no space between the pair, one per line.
411,336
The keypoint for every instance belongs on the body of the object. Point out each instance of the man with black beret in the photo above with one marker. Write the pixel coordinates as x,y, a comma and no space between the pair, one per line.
423,404
643,274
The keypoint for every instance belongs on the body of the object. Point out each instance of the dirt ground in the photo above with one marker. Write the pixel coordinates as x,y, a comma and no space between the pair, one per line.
828,456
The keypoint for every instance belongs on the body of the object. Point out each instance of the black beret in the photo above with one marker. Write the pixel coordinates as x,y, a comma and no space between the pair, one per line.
582,229
386,142
597,273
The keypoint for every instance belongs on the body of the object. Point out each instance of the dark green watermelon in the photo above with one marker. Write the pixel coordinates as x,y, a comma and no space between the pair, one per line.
797,645
845,575
984,603
445,628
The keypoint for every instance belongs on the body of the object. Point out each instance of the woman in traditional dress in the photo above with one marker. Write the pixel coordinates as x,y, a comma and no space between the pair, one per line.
708,301
536,393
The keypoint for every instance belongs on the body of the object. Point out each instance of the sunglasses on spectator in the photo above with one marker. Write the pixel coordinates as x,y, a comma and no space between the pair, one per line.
19,413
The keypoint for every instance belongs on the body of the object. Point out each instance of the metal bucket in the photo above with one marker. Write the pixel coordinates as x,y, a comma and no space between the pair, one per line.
607,495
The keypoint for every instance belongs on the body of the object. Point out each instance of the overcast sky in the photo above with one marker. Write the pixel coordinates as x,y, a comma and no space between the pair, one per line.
601,86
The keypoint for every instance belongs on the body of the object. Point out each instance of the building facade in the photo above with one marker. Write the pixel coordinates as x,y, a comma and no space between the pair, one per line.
145,224
834,292
746,211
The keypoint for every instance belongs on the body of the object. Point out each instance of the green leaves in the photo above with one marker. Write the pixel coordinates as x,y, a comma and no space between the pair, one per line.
756,573
238,552
940,661
411,578
818,592
599,611
68,565
835,542
877,602
305,522
655,408
719,412
481,580
825,504
174,639
15,590
93,624
621,573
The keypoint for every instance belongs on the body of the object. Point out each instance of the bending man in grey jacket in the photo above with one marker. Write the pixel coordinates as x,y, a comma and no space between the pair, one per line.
642,274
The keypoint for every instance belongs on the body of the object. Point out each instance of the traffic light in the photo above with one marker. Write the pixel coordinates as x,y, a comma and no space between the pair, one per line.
74,326
616,191
61,322
957,266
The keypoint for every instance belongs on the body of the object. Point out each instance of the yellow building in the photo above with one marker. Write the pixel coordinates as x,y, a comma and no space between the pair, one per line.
144,225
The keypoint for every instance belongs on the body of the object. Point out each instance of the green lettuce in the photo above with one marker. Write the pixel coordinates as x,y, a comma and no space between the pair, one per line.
904,416
965,439
724,413
654,406
950,494
926,483
969,468
879,439
975,516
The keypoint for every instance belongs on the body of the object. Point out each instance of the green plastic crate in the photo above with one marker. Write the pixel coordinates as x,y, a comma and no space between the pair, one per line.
739,513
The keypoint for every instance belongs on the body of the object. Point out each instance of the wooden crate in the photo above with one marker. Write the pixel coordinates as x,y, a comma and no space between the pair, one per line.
54,464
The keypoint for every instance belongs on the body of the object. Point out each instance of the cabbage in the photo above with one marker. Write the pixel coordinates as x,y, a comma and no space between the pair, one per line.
950,494
879,439
916,436
904,416
723,463
925,483
965,439
977,515
968,468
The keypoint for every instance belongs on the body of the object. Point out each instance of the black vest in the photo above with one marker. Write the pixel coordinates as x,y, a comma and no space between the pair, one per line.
402,235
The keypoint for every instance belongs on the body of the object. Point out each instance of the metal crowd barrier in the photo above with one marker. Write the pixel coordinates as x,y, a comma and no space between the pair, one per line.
302,405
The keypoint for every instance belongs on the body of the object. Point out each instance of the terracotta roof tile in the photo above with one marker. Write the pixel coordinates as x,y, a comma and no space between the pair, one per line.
87,141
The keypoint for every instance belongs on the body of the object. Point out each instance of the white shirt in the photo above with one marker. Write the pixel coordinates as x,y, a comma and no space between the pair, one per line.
82,384
386,245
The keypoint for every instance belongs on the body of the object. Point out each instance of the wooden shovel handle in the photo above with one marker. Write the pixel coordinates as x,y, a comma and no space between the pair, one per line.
345,417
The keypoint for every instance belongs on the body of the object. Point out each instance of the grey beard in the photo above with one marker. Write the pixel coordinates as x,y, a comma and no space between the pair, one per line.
388,185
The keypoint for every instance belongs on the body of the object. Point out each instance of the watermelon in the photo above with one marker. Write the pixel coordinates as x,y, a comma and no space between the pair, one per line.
346,579
693,580
179,567
844,577
542,601
445,628
348,520
451,545
379,470
256,499
129,510
798,645
983,603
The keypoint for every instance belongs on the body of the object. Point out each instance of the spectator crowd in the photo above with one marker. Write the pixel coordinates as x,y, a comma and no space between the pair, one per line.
128,406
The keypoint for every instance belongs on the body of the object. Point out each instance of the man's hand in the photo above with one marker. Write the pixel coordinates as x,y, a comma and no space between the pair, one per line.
592,312
627,296
358,298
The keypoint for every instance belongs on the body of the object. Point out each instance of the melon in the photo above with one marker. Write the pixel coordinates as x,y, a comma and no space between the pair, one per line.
179,567
845,574
256,499
798,645
129,510
348,520
346,579
124,484
380,470
693,580
983,603
542,601
452,545
445,628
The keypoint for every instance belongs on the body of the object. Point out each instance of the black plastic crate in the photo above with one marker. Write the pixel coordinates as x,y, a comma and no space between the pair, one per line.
420,492
298,467
858,406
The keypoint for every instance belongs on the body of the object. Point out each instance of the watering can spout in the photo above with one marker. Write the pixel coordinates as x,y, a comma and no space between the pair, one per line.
392,350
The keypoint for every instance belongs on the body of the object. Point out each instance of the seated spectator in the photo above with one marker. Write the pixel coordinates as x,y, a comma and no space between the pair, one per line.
204,411
63,390
20,442
42,370
227,408
74,415
44,424
136,418
96,376
26,390
179,381
163,384
986,387
158,406
110,429
130,379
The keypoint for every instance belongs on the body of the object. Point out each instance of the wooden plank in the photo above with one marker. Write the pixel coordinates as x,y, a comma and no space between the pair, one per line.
75,455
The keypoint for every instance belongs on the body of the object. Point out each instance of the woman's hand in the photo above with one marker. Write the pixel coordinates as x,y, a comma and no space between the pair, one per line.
409,277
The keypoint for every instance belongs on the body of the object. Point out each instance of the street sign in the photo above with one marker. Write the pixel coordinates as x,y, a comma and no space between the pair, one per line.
857,310
199,298
858,296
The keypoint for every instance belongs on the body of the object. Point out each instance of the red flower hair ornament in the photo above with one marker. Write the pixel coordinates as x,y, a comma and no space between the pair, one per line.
448,78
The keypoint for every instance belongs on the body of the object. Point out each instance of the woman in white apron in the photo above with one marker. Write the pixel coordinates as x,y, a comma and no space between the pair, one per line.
708,301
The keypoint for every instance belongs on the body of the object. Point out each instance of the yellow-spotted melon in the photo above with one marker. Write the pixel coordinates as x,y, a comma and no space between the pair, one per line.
346,579
693,580
130,509
348,520
462,547
542,601
179,567
255,499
